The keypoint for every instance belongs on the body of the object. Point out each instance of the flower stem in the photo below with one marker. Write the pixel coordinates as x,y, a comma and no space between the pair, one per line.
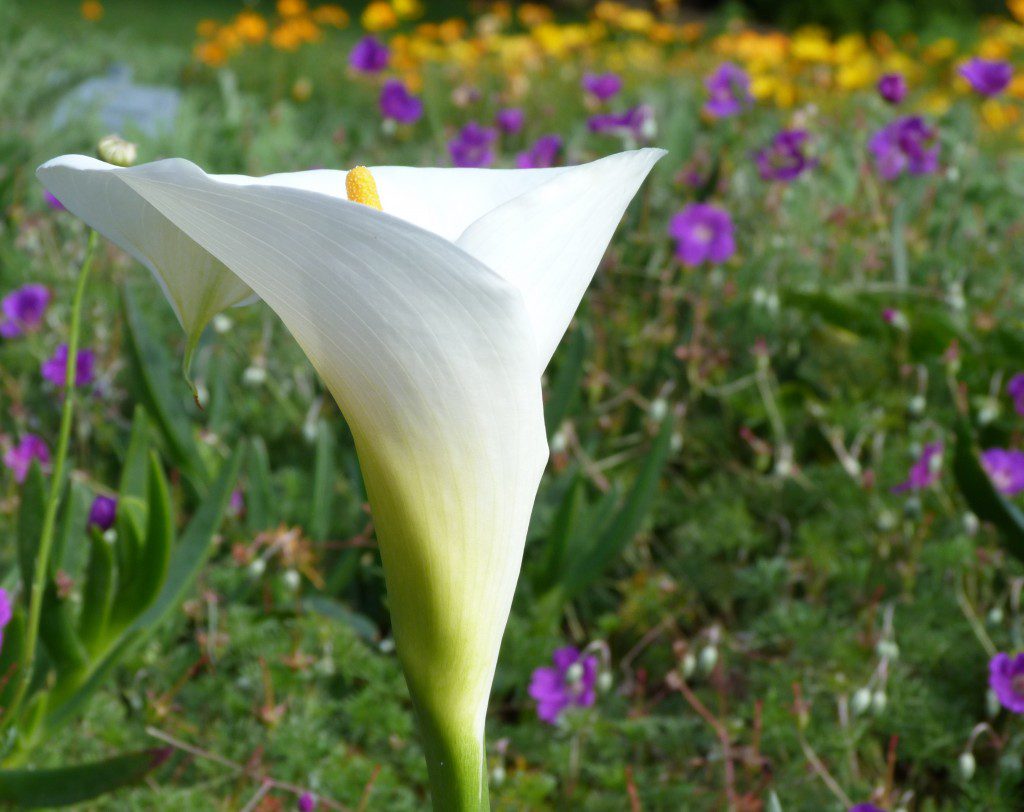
42,562
456,763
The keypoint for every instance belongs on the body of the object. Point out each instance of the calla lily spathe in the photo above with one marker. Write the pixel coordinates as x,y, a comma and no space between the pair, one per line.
431,323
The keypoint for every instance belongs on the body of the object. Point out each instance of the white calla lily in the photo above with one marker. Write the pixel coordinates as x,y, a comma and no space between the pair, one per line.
430,322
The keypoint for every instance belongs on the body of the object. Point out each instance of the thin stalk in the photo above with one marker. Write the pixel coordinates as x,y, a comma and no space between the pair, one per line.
42,562
901,271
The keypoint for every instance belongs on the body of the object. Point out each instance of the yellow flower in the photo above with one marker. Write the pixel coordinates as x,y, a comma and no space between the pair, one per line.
636,20
785,95
762,86
291,8
451,30
937,102
330,14
379,16
857,74
1016,9
811,44
691,32
994,48
1016,89
940,50
407,9
999,115
251,27
92,10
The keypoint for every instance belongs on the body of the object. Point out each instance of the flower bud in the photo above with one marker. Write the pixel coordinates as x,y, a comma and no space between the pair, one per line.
110,536
292,579
254,376
605,681
887,649
689,665
995,616
885,520
222,323
860,701
971,523
878,702
574,673
498,775
992,704
988,410
967,765
115,150
916,405
658,409
257,567
708,659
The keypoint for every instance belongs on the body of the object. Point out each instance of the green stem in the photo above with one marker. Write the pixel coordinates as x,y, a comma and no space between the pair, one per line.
42,562
901,271
456,763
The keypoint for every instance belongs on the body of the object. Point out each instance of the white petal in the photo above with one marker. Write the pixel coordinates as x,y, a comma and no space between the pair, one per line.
197,285
549,240
445,201
430,355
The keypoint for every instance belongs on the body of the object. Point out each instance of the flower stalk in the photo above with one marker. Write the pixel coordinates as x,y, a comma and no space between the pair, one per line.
42,562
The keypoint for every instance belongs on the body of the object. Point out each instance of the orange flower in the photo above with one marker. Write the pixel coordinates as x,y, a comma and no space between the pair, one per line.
291,8
331,15
251,27
210,53
92,10
407,9
207,28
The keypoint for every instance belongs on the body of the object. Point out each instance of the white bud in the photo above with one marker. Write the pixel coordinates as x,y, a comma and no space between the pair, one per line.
995,616
292,579
916,405
887,649
878,702
773,303
860,701
257,567
254,376
386,646
557,443
658,410
967,765
202,395
992,704
222,323
885,520
498,776
110,536
689,665
574,673
971,523
759,296
988,410
955,296
605,681
708,659
309,431
115,150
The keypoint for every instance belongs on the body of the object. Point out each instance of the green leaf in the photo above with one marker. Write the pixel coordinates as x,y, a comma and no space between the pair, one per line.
154,554
97,593
11,657
323,483
259,496
983,497
152,367
30,520
187,559
67,548
58,633
62,786
610,542
136,458
360,624
563,528
565,386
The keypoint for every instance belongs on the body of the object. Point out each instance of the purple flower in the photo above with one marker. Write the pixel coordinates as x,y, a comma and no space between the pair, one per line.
237,503
399,104
635,123
989,77
866,808
510,120
369,55
703,233
925,471
1005,468
473,146
6,612
906,145
1015,389
103,512
784,158
892,87
570,683
1006,679
22,310
52,201
307,802
55,367
543,153
602,86
728,89
19,458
